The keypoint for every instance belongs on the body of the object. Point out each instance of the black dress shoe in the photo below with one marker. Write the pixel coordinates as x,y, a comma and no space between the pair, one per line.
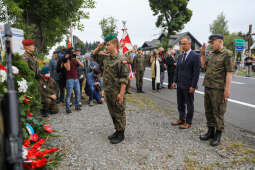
209,134
118,138
216,139
68,111
112,135
78,108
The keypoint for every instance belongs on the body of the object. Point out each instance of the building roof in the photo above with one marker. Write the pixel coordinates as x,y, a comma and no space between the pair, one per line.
175,39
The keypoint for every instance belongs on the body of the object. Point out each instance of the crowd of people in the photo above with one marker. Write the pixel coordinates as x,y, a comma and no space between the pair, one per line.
68,71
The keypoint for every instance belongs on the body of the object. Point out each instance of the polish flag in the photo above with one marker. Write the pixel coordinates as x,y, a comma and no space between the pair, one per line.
125,46
125,43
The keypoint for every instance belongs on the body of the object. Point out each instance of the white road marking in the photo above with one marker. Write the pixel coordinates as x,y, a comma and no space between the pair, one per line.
230,100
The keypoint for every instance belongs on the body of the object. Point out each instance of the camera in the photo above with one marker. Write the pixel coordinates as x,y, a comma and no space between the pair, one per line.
68,51
98,88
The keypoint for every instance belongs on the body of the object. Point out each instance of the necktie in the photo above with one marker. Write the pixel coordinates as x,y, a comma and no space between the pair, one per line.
184,57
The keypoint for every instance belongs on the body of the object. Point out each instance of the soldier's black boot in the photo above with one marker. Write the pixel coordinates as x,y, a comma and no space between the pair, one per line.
118,138
138,90
216,139
209,134
112,135
141,90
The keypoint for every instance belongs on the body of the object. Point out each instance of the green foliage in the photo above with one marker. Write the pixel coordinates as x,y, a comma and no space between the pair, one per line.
164,43
108,26
220,25
27,74
45,21
172,15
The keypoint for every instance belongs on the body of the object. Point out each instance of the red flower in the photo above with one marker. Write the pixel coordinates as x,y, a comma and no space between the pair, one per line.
34,137
47,128
26,143
2,67
26,101
29,114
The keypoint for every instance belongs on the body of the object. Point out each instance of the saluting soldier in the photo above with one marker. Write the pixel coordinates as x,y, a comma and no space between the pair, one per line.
139,68
29,56
48,89
217,81
115,79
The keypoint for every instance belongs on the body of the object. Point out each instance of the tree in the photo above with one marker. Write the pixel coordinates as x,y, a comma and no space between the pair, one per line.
108,26
172,15
45,21
220,25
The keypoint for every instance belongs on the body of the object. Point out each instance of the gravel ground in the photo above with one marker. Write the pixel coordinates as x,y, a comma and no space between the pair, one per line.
151,142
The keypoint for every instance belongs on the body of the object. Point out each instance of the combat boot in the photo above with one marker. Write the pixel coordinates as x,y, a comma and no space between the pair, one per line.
118,138
112,135
210,134
141,90
216,139
138,90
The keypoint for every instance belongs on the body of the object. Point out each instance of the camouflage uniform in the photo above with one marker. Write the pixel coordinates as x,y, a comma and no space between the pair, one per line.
139,68
30,61
116,72
130,61
217,67
47,88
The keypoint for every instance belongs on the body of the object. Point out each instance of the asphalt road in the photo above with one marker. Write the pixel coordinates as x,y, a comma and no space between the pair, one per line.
241,105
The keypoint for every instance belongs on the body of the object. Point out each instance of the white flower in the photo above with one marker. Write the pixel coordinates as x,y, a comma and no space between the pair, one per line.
3,76
15,70
24,152
22,86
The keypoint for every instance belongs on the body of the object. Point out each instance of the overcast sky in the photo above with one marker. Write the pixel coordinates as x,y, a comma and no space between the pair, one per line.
141,22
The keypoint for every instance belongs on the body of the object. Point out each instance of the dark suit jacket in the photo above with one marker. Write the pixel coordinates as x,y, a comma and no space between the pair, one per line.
170,63
187,72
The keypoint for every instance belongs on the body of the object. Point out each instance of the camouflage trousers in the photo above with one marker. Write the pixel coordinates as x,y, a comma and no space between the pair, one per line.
50,106
117,111
139,79
215,108
128,85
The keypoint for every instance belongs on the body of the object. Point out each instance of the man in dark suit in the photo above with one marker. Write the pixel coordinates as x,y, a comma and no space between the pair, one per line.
185,79
171,64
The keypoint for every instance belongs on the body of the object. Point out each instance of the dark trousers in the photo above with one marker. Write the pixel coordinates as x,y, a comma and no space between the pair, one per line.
81,82
153,84
170,77
61,94
185,100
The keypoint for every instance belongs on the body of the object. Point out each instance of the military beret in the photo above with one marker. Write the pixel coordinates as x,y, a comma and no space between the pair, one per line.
109,38
215,37
45,70
139,49
28,42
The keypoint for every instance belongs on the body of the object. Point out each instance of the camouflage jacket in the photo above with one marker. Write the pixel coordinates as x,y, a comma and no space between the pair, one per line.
47,87
30,61
116,70
139,63
217,67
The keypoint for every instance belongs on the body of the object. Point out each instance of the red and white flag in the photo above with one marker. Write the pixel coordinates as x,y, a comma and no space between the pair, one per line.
125,46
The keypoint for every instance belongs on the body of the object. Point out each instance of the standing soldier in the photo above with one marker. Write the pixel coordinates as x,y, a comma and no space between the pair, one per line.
29,56
217,81
48,89
115,79
130,61
139,68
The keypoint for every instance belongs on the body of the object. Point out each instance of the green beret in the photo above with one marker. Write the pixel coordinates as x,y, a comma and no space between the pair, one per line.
139,49
109,38
45,70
